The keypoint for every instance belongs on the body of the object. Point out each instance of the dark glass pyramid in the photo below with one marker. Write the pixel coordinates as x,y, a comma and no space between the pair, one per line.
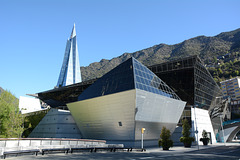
129,75
146,80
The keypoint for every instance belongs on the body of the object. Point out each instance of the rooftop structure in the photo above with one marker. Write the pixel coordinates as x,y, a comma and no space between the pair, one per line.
59,97
70,71
188,78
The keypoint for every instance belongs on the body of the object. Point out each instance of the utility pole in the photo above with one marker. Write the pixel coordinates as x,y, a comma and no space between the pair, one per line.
196,124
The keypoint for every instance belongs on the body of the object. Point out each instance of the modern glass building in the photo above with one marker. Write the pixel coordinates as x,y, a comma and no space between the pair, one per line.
131,96
70,71
189,79
126,99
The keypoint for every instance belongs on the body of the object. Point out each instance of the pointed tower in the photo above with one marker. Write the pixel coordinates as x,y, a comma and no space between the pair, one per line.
70,72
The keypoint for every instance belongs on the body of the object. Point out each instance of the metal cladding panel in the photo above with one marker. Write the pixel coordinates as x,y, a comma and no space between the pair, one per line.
156,108
152,129
154,111
109,117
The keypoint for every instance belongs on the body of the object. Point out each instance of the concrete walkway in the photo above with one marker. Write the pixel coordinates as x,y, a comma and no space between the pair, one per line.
217,151
182,149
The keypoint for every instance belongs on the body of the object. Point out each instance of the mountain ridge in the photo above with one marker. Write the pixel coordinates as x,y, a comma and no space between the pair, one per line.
1,90
206,47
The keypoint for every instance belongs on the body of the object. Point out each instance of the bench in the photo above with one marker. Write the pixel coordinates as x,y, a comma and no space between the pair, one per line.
66,150
5,153
111,149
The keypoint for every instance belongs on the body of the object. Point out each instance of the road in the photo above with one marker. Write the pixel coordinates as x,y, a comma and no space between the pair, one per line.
218,153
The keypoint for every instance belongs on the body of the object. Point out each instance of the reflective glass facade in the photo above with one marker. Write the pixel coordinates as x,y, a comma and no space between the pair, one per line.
117,80
190,80
59,97
129,75
148,81
70,71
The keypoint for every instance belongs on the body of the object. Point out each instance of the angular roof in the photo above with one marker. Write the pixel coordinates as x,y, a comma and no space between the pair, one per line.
131,74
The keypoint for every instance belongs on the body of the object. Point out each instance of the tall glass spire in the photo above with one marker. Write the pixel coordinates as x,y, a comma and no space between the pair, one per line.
70,72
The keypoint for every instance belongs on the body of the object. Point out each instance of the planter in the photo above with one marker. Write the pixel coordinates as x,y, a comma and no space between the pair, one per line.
187,141
165,148
205,138
187,145
205,141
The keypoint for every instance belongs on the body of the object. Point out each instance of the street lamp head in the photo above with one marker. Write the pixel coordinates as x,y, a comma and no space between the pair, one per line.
143,129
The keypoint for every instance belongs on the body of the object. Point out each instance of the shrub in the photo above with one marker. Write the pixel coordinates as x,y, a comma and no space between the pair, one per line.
165,140
186,139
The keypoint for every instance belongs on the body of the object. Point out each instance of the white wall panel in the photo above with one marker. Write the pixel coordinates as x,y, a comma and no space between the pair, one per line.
203,122
99,118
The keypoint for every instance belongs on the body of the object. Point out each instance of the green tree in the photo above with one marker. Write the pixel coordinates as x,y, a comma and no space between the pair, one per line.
215,59
31,121
236,73
235,60
11,120
186,128
220,71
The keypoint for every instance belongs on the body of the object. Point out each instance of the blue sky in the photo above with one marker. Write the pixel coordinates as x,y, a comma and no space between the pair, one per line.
33,33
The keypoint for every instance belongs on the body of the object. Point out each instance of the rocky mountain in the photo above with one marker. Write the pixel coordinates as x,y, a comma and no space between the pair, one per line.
1,90
207,48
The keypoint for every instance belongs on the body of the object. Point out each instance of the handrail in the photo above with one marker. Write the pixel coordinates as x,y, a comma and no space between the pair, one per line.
231,121
56,139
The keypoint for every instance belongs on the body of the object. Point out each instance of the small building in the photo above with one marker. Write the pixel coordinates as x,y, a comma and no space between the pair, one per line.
231,88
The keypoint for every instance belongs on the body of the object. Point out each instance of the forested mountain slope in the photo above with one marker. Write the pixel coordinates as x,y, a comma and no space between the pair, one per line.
207,48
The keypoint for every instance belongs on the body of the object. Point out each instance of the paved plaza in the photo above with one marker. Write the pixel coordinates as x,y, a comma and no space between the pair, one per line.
219,152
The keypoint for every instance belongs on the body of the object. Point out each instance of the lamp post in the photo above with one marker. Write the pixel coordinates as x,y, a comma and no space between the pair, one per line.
194,106
143,129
